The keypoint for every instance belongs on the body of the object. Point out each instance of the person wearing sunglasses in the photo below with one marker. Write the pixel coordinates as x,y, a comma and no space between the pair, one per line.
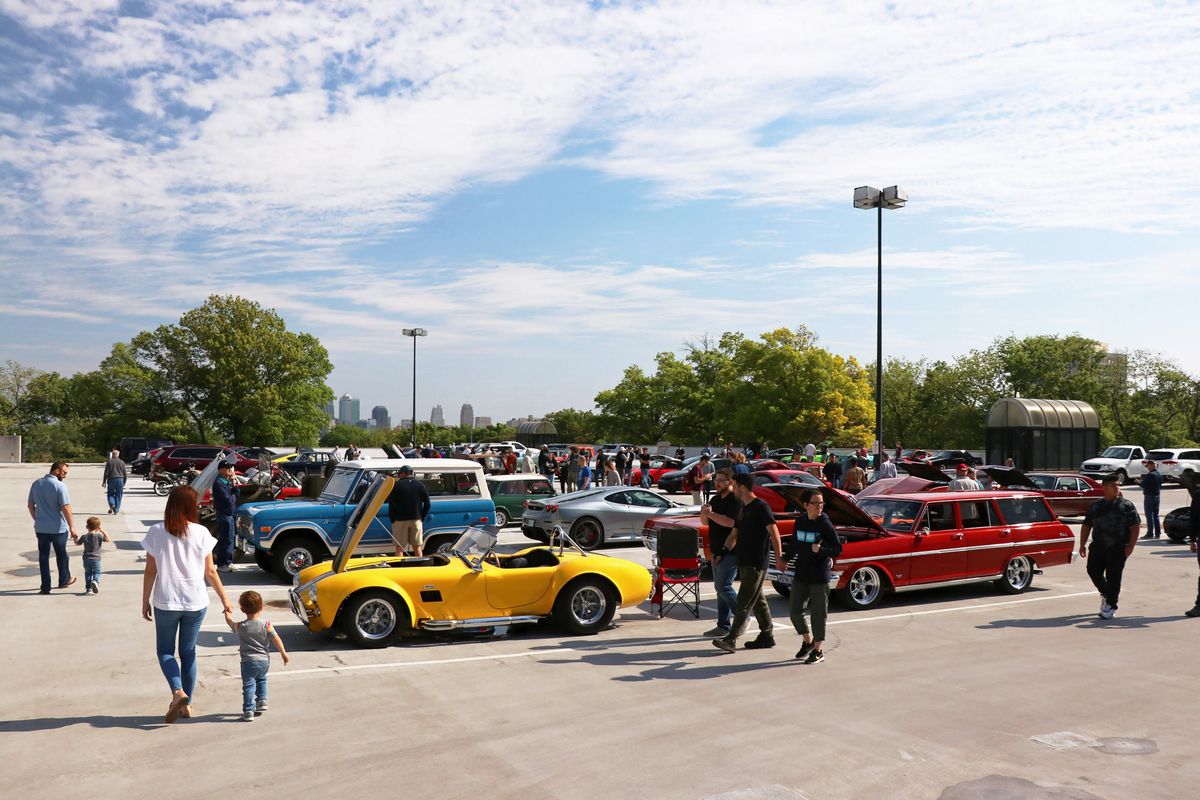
816,547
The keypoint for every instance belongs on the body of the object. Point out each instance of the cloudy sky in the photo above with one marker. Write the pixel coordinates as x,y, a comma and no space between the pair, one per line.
557,190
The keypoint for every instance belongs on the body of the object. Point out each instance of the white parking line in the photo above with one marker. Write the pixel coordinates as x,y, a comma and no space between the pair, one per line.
339,668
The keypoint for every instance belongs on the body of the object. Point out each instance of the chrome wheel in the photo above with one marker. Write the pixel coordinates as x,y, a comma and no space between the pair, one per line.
588,534
375,620
1018,574
588,605
864,588
501,517
297,559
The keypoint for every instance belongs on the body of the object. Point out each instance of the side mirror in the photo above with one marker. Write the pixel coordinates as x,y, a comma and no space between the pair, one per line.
922,532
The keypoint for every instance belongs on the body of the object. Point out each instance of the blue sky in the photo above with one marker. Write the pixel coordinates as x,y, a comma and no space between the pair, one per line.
557,190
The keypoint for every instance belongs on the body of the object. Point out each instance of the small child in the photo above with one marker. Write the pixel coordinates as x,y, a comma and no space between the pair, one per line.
254,643
91,541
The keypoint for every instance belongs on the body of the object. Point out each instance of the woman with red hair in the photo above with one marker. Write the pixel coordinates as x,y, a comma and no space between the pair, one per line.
178,562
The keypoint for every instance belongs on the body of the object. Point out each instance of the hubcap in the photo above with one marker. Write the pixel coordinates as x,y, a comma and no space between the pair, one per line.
1017,572
376,619
864,586
589,535
588,605
297,560
501,517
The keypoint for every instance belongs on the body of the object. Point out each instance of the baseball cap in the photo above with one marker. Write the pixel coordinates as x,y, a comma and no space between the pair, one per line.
962,467
405,470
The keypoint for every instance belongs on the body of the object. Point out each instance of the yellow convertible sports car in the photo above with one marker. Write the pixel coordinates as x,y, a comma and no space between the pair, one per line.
466,587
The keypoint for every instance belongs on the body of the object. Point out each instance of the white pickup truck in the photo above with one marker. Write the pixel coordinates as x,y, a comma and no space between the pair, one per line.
1123,459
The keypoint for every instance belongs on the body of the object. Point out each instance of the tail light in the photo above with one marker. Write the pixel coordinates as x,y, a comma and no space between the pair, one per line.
1164,463
524,504
553,509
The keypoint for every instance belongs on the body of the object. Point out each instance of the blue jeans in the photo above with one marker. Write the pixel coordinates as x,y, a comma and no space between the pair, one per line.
91,571
254,684
116,490
59,542
1150,504
723,573
646,479
223,554
180,674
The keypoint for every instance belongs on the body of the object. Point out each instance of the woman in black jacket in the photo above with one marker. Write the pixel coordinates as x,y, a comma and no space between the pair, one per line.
817,545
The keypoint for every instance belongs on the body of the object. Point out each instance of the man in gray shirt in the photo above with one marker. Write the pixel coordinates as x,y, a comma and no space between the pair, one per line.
50,507
114,481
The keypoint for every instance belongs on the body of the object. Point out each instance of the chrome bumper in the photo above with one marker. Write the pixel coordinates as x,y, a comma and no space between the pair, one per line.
304,614
785,578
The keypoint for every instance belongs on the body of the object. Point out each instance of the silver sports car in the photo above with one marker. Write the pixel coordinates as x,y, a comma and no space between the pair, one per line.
599,515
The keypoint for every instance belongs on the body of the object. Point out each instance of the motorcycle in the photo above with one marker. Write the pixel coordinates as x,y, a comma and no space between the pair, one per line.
164,481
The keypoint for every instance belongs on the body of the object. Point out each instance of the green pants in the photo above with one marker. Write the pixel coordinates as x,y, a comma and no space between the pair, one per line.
815,598
750,599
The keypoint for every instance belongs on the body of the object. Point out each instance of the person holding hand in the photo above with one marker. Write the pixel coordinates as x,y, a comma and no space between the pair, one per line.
179,561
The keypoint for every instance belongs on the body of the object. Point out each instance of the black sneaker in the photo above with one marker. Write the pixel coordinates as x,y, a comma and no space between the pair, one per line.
815,657
804,650
1148,536
1194,611
761,643
724,644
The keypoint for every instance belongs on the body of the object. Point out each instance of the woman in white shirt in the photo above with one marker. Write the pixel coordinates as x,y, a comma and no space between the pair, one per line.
178,561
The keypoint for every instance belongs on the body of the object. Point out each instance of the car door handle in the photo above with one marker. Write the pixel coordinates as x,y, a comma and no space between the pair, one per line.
956,536
1006,531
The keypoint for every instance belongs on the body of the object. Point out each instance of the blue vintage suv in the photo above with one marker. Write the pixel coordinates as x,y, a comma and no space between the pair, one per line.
285,536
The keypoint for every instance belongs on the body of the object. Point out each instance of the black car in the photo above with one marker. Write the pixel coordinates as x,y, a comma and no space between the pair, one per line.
306,463
672,481
1177,523
943,458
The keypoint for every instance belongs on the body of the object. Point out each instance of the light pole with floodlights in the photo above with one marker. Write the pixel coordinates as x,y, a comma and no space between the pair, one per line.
414,333
890,198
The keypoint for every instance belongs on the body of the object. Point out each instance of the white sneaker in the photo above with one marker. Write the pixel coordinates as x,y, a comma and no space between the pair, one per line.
1106,611
226,568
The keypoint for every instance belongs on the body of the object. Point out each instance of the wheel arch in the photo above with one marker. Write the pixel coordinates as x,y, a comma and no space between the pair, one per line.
405,600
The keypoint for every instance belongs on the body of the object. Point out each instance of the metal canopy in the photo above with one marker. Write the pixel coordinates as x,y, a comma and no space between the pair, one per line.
1020,412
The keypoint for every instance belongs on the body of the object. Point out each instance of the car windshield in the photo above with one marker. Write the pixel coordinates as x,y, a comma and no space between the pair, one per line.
339,483
1116,452
474,542
892,515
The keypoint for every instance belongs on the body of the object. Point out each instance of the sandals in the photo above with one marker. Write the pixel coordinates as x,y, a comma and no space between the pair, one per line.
186,713
178,704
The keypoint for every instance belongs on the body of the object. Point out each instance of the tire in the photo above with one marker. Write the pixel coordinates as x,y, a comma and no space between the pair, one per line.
501,517
295,553
1122,477
1018,575
437,544
864,589
163,488
263,559
782,589
374,618
588,533
584,606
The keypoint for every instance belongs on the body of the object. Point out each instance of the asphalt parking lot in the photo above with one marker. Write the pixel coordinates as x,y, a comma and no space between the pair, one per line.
960,694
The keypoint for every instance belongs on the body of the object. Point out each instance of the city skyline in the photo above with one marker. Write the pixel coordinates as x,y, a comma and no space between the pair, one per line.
381,412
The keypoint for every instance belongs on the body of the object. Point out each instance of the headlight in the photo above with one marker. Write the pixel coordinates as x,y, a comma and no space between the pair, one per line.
312,596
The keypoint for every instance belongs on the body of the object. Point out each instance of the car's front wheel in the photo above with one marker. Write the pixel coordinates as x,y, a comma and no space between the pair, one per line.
864,589
588,533
584,606
294,555
374,618
1122,477
263,559
1018,575
501,517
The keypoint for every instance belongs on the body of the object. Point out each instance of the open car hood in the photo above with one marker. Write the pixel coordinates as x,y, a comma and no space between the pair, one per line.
906,485
841,510
1009,476
919,469
361,518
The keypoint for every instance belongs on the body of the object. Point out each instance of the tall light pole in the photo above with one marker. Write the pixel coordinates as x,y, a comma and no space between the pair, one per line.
891,198
414,333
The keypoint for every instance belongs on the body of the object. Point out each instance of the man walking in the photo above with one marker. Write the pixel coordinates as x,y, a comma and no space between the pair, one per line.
886,470
720,514
408,506
50,507
114,481
1152,483
225,506
1189,482
754,529
1115,523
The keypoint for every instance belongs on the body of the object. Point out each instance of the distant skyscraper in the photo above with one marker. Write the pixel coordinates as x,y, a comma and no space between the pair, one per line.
466,417
380,415
482,422
348,411
437,417
331,410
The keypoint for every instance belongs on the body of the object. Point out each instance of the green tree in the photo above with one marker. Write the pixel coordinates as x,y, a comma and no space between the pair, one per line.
239,374
574,425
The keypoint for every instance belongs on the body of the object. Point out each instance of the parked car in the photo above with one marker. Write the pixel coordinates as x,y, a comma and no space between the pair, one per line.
511,492
764,479
1069,495
782,454
1177,524
469,587
1174,463
901,484
673,481
134,447
659,466
598,515
285,537
951,458
1123,459
305,463
180,456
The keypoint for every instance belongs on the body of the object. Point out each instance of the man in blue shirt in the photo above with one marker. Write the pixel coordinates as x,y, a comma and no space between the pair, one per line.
585,474
1152,483
50,508
224,506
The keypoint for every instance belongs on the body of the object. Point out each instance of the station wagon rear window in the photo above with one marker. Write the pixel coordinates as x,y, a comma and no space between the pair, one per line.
1022,510
448,484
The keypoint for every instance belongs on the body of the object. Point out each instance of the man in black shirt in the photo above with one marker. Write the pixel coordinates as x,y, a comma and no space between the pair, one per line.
832,471
408,506
755,528
1115,523
720,515
1152,483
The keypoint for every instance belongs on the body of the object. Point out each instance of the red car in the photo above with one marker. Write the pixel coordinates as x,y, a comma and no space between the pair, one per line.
658,465
1070,495
763,479
904,542
178,457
